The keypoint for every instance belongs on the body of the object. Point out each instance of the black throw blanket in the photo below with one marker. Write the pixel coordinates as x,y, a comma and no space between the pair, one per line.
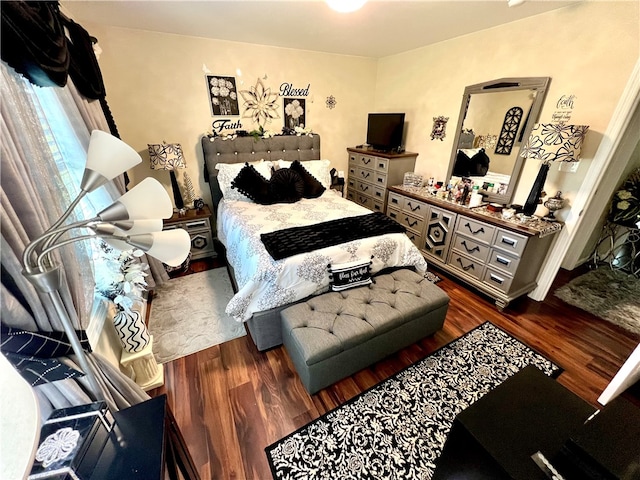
292,241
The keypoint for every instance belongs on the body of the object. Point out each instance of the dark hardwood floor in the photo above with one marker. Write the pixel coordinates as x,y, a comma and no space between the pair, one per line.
231,401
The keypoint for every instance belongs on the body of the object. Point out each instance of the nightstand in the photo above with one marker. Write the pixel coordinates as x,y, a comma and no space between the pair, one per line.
198,224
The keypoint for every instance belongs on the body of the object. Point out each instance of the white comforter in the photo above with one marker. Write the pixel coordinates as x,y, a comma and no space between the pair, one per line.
265,283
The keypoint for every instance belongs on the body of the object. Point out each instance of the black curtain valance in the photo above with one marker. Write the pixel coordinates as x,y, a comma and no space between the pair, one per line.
34,44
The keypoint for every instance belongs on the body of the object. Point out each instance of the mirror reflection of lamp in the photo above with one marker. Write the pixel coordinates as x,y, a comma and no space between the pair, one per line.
551,142
168,156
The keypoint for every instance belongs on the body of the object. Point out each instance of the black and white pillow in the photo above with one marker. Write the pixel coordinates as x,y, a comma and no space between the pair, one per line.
343,276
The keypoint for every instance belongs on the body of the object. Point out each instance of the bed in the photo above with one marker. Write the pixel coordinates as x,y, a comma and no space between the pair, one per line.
265,286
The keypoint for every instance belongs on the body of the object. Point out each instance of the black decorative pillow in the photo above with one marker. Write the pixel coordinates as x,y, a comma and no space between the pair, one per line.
252,184
312,186
287,186
343,276
479,164
463,165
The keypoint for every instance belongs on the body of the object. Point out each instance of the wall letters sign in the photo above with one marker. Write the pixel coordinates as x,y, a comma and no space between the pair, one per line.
287,90
225,124
565,108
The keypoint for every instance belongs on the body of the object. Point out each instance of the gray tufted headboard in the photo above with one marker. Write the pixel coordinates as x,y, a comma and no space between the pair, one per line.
247,149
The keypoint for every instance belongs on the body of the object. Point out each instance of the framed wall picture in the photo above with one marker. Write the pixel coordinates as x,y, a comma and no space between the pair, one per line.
294,112
223,96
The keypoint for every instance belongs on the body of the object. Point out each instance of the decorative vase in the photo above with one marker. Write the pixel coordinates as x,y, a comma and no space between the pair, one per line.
132,331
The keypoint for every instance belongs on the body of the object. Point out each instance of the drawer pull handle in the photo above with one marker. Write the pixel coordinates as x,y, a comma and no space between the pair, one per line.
470,250
497,279
394,200
480,230
378,194
468,267
381,180
502,260
364,188
366,161
413,209
509,241
381,166
411,224
393,215
365,174
195,224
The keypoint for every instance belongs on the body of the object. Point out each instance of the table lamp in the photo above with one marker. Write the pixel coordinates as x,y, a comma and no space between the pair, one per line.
168,156
551,142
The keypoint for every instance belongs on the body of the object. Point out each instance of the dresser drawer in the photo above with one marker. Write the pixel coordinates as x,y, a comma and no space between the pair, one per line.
378,194
377,205
396,201
363,161
414,237
415,207
365,175
510,242
481,232
364,200
465,264
382,164
503,261
364,187
412,222
497,279
380,179
468,246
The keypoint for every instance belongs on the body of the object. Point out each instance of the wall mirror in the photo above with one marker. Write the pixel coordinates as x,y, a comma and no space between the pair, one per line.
495,121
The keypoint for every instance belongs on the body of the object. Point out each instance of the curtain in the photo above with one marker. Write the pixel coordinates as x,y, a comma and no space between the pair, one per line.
94,118
32,197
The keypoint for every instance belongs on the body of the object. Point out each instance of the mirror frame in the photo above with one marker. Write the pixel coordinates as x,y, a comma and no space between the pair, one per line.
538,84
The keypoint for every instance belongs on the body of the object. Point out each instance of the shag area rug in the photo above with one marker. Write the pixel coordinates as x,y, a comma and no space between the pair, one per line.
397,429
612,295
187,315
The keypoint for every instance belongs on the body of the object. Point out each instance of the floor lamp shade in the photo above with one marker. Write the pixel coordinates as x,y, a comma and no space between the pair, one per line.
107,157
551,142
168,156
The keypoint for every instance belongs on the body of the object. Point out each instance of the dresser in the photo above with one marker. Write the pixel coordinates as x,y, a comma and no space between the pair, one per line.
371,173
499,257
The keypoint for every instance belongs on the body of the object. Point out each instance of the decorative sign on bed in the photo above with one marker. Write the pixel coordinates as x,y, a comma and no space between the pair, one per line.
293,241
349,275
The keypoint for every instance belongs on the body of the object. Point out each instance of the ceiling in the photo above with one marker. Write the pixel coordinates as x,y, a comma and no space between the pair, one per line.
379,29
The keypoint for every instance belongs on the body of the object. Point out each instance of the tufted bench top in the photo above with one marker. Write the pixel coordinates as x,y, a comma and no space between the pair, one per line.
328,324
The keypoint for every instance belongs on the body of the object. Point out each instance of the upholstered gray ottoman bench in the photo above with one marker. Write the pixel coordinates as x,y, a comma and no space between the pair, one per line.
334,335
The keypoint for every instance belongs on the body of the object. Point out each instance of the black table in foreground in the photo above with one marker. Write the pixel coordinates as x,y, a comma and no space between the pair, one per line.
495,437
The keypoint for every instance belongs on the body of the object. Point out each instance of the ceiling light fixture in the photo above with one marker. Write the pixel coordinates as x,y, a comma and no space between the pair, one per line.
515,3
346,6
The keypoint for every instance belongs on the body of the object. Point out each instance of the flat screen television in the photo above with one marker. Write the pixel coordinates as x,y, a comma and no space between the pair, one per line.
384,131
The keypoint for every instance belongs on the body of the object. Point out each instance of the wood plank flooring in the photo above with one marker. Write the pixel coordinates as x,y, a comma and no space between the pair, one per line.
231,401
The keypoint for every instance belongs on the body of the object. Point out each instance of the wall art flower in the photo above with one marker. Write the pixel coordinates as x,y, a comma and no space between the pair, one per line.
223,97
294,112
331,102
260,104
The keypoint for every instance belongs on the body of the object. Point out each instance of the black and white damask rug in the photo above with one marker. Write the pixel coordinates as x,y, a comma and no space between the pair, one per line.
397,429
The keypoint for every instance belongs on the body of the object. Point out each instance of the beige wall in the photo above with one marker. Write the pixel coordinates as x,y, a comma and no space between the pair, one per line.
157,91
156,86
588,49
